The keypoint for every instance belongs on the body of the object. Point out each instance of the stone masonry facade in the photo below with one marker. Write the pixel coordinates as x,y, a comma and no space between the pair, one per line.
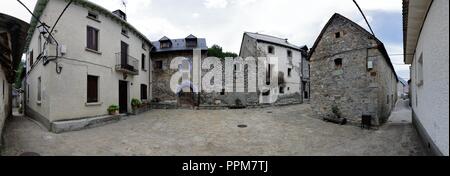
351,71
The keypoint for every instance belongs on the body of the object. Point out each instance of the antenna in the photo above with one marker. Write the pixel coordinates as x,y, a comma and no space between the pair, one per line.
124,3
364,17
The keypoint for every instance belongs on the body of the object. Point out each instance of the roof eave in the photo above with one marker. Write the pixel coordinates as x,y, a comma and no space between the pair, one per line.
414,14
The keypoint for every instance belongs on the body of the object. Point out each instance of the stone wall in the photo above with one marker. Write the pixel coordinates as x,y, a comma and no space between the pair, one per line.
352,87
161,90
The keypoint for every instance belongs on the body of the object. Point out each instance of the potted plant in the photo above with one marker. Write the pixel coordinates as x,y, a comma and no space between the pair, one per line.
113,109
135,103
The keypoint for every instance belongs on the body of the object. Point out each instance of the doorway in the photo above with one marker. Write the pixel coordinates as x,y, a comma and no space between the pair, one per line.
123,97
123,54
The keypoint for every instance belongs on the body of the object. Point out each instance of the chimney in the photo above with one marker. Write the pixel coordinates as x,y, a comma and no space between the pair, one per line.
120,14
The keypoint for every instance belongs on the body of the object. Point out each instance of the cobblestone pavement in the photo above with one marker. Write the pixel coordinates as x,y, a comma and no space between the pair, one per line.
287,130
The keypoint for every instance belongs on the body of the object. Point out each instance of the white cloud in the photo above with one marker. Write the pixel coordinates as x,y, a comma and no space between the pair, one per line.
224,21
195,15
216,3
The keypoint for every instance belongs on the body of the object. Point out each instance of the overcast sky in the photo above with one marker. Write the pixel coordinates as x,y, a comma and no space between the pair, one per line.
223,22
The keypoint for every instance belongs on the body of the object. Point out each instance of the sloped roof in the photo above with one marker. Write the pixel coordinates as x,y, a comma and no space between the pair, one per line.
191,37
179,45
380,44
273,40
18,31
41,4
164,38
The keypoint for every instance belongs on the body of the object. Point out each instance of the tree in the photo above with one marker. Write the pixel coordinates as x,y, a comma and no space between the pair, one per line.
216,51
20,71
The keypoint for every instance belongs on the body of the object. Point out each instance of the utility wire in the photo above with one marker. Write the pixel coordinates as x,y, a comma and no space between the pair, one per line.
60,15
37,19
364,17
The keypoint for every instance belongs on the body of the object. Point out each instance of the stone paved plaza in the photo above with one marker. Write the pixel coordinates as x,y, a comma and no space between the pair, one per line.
287,130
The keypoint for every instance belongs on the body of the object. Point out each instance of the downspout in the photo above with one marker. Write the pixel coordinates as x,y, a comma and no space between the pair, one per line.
150,70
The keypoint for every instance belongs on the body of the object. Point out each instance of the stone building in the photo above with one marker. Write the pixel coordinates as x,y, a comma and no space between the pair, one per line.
289,60
351,72
12,41
163,53
93,59
426,34
306,88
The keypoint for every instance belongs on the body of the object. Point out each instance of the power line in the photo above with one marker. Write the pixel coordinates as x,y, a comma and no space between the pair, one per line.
364,17
60,15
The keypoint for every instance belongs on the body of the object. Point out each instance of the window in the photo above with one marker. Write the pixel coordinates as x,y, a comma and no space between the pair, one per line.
3,93
419,72
281,90
387,99
337,35
271,50
31,58
143,46
338,62
166,44
92,38
92,16
268,74
289,53
289,72
92,89
143,92
191,43
124,32
222,92
39,89
143,62
158,65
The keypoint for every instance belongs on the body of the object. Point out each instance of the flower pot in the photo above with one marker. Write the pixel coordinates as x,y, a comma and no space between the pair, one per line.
116,112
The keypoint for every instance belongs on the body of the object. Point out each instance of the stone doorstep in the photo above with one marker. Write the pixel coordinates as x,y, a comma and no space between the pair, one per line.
80,124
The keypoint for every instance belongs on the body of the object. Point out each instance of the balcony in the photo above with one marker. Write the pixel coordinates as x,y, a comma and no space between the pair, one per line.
127,64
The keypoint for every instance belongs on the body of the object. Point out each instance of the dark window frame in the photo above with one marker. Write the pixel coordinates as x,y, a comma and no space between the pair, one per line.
31,58
124,32
281,90
271,50
143,67
289,72
337,35
289,53
144,94
338,62
92,89
158,65
39,89
92,38
93,16
165,44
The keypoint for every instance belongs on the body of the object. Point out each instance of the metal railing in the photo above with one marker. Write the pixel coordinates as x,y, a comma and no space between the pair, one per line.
127,64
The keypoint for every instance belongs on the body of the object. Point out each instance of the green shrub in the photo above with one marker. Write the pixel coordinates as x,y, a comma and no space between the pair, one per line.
135,102
113,108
